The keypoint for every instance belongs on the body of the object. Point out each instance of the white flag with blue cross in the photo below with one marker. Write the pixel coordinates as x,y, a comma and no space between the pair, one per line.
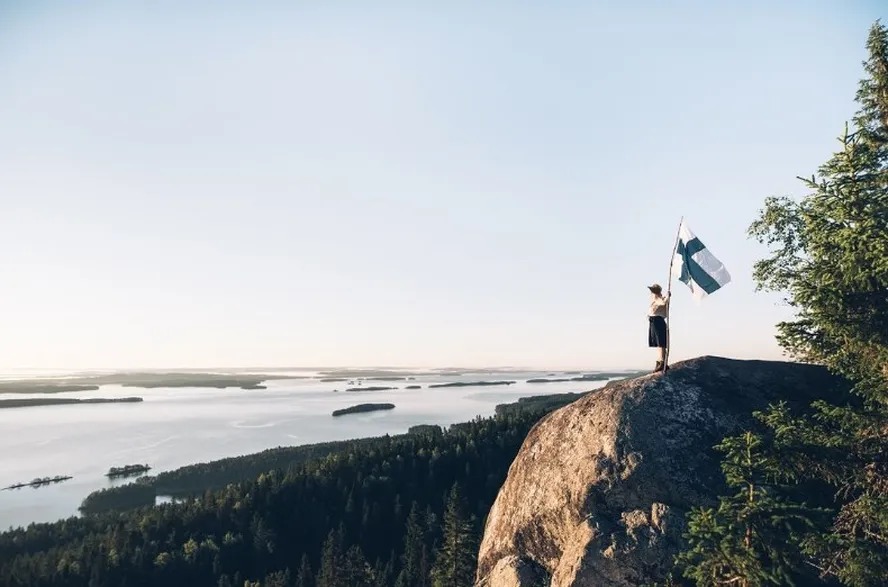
695,266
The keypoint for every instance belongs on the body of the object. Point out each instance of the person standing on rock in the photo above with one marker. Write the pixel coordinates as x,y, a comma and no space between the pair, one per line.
658,330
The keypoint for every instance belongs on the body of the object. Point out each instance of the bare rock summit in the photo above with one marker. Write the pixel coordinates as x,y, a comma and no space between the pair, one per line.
599,490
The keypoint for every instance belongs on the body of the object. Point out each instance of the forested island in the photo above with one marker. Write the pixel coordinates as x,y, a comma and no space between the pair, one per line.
40,482
371,388
127,470
361,408
470,383
27,402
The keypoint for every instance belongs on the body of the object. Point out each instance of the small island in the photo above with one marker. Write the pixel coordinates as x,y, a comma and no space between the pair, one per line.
360,408
471,383
40,482
553,380
127,471
28,402
413,387
371,388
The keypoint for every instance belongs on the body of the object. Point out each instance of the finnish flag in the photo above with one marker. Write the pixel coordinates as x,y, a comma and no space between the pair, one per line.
696,266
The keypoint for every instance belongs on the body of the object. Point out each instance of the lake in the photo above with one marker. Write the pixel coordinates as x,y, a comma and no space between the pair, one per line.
174,427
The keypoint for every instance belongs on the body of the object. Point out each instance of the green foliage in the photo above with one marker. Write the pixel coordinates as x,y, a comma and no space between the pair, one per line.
830,256
753,537
128,496
831,248
304,577
456,559
416,559
332,571
537,403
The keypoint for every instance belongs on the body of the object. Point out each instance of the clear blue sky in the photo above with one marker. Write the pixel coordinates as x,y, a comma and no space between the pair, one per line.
193,184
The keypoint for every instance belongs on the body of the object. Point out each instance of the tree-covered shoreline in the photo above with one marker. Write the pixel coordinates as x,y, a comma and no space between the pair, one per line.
379,511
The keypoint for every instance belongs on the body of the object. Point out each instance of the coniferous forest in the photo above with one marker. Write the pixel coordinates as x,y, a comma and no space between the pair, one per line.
403,510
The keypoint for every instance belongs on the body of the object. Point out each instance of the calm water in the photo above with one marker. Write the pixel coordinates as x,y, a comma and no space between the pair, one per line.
173,427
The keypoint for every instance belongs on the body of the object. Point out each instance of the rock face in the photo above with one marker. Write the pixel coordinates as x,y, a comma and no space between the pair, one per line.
599,491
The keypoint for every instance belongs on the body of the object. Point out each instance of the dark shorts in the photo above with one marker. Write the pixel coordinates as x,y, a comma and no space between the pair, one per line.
657,334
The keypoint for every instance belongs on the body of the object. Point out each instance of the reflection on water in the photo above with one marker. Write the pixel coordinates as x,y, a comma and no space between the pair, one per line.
181,426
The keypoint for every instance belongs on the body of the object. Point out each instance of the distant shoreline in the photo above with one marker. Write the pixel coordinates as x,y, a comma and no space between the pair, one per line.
29,402
256,381
141,380
42,387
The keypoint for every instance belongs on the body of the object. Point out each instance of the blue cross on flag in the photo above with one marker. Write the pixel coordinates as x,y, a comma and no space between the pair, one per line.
695,266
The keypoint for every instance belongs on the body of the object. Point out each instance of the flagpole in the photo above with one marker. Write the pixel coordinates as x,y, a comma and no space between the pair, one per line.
669,296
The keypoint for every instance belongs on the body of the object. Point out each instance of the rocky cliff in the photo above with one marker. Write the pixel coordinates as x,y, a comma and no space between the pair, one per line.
599,491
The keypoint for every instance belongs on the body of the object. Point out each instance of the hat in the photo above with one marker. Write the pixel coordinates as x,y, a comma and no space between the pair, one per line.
655,288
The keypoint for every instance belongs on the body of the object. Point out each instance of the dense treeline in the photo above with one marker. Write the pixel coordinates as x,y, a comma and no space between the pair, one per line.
122,497
537,403
395,511
200,477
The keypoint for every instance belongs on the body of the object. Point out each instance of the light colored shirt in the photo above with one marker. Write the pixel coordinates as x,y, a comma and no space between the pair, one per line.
659,306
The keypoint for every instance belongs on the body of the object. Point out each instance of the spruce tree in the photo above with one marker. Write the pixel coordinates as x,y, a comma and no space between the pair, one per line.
278,579
412,572
830,256
304,577
383,574
457,556
356,571
330,573
753,537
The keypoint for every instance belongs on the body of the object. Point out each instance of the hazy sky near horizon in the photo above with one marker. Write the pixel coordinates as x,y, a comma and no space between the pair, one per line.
199,184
